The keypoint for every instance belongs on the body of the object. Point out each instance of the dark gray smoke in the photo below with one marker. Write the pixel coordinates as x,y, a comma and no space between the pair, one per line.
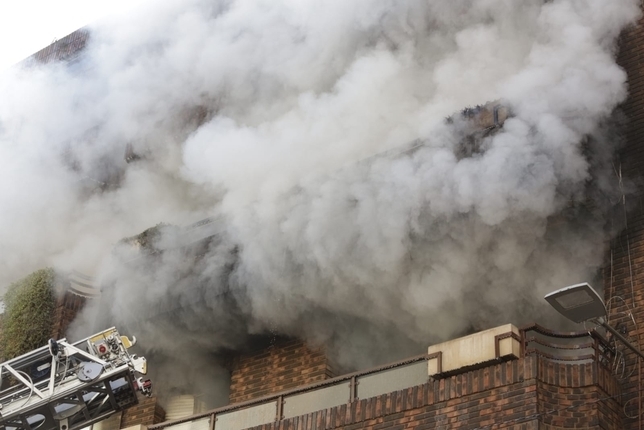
270,115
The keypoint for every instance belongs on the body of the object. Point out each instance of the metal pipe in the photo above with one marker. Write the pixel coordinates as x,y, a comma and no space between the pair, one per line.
621,338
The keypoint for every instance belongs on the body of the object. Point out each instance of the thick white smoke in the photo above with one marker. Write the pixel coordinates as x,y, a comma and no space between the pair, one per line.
268,114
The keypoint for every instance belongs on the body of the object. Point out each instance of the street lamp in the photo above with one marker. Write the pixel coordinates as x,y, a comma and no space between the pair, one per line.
580,303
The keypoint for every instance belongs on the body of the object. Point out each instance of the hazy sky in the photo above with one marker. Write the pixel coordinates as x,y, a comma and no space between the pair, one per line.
27,26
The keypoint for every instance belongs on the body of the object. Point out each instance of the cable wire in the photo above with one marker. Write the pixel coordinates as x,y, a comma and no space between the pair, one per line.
31,382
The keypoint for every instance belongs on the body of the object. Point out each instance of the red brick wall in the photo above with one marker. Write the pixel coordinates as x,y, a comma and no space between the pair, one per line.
578,396
624,283
67,306
147,412
519,394
285,364
63,49
631,56
624,268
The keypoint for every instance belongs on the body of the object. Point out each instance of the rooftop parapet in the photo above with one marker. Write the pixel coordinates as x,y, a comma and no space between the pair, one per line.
517,362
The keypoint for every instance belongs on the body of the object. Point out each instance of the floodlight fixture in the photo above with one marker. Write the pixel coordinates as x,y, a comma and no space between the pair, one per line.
580,303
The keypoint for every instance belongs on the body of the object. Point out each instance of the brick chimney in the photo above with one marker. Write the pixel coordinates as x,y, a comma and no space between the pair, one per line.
146,412
284,364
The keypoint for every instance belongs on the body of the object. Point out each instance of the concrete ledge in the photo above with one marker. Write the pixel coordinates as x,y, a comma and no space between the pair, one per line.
499,343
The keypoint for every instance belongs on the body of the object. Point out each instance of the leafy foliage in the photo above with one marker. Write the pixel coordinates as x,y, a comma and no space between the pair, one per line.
28,315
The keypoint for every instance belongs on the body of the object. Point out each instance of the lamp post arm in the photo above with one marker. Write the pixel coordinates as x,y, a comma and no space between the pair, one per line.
622,339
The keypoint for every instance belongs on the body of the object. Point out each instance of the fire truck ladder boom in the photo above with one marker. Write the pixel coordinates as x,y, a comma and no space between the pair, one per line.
68,386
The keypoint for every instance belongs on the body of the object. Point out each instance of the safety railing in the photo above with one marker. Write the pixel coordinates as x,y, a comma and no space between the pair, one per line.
572,348
300,401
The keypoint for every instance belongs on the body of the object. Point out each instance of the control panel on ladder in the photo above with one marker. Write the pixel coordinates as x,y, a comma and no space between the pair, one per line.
68,386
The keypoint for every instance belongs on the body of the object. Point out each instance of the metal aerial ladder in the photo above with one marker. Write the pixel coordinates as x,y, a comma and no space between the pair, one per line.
68,386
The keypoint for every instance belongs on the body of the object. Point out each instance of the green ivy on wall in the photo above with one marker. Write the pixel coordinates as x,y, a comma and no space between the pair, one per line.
28,315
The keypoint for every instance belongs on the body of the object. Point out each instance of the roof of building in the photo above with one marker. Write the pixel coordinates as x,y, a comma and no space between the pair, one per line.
65,49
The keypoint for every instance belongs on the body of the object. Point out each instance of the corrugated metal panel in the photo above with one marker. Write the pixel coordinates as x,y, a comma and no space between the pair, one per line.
185,405
179,407
392,380
312,401
83,285
245,418
111,423
200,406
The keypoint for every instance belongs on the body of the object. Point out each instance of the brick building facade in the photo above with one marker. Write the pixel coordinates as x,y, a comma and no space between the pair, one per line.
64,49
286,364
557,381
532,391
624,268
146,412
66,307
547,394
529,393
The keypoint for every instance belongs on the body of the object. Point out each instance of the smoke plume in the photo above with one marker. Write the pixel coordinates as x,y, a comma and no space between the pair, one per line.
283,119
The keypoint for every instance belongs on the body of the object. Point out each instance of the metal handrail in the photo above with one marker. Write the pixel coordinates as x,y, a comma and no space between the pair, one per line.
599,345
350,377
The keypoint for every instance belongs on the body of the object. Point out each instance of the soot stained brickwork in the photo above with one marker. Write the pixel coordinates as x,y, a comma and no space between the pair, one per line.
284,365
